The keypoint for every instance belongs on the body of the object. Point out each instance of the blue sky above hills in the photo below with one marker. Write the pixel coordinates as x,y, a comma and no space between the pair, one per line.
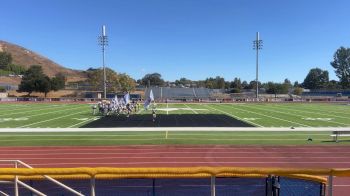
183,38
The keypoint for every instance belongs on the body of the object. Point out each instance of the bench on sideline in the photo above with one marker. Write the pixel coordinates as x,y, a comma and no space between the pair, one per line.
337,134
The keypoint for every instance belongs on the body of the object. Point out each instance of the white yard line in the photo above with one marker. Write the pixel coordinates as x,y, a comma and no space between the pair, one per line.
313,108
252,123
272,117
85,121
49,107
50,119
53,112
259,108
167,106
303,111
191,109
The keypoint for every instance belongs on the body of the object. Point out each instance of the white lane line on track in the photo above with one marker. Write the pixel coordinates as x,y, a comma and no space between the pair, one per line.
173,157
303,125
249,122
51,119
184,162
259,108
153,153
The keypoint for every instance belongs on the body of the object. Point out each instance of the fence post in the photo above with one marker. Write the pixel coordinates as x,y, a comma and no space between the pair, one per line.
212,186
330,185
92,186
16,181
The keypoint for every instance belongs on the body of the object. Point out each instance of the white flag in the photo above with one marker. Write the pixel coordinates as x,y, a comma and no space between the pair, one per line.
127,98
151,97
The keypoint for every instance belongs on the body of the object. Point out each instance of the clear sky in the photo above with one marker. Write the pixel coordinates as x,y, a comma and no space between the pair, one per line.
183,38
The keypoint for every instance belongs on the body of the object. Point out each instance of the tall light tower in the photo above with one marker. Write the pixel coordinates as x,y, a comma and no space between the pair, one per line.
103,41
257,44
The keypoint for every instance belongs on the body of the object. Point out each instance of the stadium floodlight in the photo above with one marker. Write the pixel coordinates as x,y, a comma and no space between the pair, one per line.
257,44
103,41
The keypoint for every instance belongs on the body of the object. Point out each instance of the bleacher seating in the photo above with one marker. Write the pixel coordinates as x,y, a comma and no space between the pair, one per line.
327,93
178,93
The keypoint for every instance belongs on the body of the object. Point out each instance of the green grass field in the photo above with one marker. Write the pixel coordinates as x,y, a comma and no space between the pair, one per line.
259,115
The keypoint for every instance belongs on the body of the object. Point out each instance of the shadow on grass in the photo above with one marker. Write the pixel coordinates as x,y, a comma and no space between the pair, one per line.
171,120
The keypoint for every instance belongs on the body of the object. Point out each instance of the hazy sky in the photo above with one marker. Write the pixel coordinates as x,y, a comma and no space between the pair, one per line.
183,38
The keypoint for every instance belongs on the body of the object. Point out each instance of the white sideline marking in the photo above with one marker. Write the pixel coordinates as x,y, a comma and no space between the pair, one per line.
252,123
153,139
272,117
174,134
51,119
155,129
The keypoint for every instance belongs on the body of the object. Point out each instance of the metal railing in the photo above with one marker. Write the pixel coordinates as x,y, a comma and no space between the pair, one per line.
17,182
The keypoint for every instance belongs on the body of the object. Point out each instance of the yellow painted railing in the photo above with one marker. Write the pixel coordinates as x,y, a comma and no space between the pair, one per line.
170,172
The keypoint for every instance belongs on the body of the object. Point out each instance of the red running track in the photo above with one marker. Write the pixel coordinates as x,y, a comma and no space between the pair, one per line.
186,156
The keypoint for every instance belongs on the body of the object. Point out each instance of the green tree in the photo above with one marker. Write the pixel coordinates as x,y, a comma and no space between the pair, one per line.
115,82
183,81
236,83
316,79
298,91
220,82
245,85
126,82
32,80
44,85
5,59
153,79
334,85
58,82
341,64
296,84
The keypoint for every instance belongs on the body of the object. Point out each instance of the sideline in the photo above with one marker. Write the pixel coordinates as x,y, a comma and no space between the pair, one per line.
141,129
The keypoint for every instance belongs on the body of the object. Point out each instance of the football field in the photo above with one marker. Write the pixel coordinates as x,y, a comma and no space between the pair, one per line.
40,115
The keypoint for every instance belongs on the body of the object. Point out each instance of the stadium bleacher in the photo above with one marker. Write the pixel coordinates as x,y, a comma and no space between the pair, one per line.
179,93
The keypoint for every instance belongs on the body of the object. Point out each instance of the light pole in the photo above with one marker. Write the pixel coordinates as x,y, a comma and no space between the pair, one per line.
257,44
103,41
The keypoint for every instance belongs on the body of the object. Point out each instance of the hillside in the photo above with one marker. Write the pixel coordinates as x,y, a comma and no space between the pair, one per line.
26,58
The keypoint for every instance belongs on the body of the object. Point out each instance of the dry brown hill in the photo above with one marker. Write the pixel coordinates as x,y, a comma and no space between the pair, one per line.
26,58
